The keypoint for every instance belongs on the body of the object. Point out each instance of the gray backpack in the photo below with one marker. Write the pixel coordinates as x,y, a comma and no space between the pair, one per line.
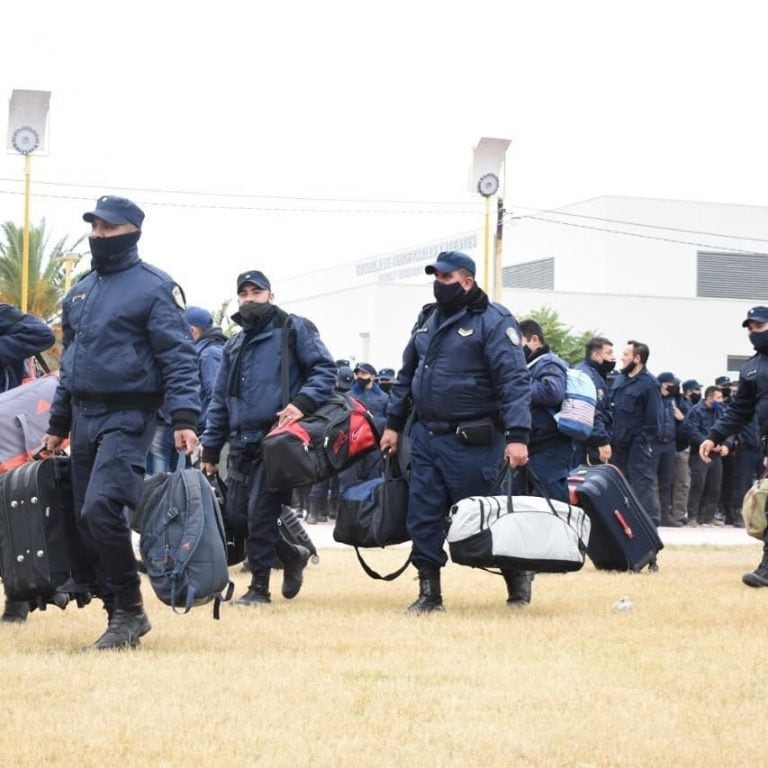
182,541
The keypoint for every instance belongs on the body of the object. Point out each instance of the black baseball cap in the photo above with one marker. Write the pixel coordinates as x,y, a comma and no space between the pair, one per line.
116,210
259,279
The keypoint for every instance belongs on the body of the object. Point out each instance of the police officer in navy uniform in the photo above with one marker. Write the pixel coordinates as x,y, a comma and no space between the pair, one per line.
247,402
750,400
636,407
599,360
127,349
209,342
550,451
665,445
464,363
21,336
386,379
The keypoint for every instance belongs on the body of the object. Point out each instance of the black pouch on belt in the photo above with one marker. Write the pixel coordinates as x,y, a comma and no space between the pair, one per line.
478,432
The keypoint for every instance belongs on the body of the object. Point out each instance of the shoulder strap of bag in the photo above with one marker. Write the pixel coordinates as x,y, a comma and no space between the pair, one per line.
285,362
374,575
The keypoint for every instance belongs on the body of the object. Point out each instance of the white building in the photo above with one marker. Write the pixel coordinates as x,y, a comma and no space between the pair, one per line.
676,275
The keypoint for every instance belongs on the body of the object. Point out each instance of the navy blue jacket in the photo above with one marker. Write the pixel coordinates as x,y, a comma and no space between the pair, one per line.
247,416
668,426
126,345
699,423
21,336
636,406
603,425
210,347
548,379
375,400
751,399
682,441
466,366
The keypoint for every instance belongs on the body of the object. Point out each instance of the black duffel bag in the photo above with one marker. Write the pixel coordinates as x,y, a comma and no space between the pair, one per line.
373,514
339,433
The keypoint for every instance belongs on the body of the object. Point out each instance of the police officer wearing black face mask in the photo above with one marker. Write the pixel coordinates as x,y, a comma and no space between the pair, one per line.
127,351
599,361
691,391
751,399
247,399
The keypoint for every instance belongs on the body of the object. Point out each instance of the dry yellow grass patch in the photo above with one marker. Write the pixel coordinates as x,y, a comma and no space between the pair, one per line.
341,677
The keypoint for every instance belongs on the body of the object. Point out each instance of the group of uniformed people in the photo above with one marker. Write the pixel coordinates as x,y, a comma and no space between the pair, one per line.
469,373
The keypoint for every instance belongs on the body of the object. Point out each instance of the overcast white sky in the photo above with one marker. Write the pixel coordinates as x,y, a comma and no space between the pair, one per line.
326,109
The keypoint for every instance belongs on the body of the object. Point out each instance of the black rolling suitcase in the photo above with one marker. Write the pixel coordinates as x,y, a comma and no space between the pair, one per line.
623,536
42,559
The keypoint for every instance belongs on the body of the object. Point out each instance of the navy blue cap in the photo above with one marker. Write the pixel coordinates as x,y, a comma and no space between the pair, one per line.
690,384
450,261
345,378
386,374
666,377
198,316
724,381
341,363
115,210
756,315
367,367
259,279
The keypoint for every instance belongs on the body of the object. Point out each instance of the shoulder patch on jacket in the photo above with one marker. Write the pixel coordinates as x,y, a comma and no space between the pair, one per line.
178,297
513,335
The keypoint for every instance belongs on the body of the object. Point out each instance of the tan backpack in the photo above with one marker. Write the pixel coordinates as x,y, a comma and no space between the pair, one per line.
753,508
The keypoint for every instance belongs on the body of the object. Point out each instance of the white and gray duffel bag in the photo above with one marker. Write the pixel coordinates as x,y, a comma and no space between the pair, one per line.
531,533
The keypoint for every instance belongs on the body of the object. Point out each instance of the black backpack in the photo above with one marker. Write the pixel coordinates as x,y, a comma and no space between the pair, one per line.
183,544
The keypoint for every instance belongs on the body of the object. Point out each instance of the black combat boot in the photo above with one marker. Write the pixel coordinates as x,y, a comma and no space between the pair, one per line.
15,613
758,577
518,587
295,559
429,599
127,623
258,591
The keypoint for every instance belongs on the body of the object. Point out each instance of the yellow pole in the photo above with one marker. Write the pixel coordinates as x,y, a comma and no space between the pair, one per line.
25,237
486,246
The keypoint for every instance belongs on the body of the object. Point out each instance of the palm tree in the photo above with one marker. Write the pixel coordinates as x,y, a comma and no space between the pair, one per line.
46,269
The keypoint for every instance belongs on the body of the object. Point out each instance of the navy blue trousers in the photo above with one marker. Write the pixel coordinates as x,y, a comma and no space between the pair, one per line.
664,473
444,471
263,508
108,461
636,462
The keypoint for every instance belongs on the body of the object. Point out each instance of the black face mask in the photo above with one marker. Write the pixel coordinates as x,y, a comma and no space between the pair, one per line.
695,397
386,386
528,353
759,340
674,390
251,311
363,382
106,251
447,295
606,366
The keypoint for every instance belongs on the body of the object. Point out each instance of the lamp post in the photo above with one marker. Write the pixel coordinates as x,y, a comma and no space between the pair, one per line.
70,262
27,122
487,161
